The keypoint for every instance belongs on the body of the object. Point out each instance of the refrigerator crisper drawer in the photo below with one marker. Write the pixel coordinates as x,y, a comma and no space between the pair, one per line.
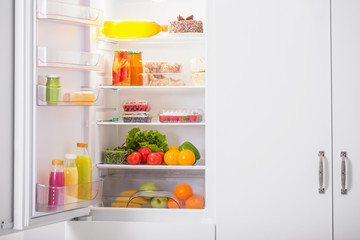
59,199
154,189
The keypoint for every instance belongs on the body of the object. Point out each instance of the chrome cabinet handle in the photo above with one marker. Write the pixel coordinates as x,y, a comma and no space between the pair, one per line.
343,173
321,172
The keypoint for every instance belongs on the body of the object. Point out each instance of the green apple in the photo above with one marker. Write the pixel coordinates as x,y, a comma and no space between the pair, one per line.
148,186
159,202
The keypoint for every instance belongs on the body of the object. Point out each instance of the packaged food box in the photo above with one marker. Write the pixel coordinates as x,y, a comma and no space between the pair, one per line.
180,115
116,155
136,117
136,105
161,67
163,79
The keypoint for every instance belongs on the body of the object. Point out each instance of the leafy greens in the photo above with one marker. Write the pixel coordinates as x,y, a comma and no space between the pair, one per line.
154,140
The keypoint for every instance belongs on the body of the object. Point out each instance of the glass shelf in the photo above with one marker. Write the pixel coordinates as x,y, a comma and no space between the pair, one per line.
153,123
127,88
66,198
48,96
49,57
111,44
50,9
199,166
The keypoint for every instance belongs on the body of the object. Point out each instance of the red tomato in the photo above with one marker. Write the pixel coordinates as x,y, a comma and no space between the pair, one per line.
162,156
154,159
144,151
134,158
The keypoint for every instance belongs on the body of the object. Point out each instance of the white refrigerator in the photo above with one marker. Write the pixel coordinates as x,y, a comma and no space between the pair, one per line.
64,38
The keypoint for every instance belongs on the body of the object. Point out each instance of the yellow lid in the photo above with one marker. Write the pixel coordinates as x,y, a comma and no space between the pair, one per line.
82,145
57,162
164,28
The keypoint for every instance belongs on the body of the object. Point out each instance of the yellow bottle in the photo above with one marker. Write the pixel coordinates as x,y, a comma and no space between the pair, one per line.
71,179
132,29
84,168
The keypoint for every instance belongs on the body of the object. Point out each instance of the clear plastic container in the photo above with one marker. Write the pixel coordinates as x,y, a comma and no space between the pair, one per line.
139,117
180,115
161,67
136,105
163,79
113,156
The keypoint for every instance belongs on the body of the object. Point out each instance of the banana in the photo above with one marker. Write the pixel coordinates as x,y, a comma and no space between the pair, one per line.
123,204
127,193
138,200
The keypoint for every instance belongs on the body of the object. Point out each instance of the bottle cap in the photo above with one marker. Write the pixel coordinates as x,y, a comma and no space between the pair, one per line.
70,156
164,28
82,145
52,76
135,52
57,162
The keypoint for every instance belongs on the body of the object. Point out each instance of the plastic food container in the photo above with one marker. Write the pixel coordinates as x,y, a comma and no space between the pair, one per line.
114,157
161,67
136,117
163,79
180,115
136,105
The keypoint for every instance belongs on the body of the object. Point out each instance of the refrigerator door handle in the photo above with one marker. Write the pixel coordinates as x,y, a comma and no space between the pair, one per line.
343,156
321,171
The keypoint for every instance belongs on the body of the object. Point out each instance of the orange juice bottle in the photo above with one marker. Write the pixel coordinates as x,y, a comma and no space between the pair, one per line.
71,179
136,68
132,29
84,168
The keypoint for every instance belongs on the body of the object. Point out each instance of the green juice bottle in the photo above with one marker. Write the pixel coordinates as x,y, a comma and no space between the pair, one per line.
53,88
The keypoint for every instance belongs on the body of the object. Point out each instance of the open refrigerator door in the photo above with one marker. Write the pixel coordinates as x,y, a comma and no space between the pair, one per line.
85,81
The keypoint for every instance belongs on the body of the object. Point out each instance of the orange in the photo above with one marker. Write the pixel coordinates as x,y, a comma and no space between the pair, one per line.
173,148
171,157
175,203
183,191
195,202
186,157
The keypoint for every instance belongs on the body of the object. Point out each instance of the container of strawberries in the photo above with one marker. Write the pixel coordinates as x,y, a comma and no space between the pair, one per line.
180,116
136,106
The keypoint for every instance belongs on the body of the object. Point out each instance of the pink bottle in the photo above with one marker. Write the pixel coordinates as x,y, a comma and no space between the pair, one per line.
56,184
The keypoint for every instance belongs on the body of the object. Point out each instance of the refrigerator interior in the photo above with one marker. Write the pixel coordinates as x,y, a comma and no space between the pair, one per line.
70,46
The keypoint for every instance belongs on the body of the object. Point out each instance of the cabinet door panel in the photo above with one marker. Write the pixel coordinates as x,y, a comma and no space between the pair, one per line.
274,116
346,115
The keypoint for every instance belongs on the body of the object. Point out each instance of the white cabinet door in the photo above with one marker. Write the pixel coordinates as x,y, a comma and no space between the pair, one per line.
346,115
274,116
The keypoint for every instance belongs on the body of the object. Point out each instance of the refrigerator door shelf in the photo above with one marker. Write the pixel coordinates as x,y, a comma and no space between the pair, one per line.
49,96
69,196
50,57
55,10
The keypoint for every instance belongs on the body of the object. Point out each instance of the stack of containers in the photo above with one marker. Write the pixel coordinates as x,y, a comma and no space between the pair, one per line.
136,111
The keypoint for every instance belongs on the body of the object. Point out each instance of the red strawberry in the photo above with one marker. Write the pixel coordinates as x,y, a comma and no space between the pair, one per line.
173,118
192,118
163,118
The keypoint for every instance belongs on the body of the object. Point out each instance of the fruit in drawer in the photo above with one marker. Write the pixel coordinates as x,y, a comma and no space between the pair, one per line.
183,191
159,202
134,158
154,159
191,147
195,202
127,193
124,205
148,186
171,157
173,202
138,200
186,157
